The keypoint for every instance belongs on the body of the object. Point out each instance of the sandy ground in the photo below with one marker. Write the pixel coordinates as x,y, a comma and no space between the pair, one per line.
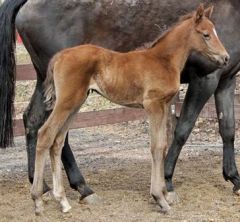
116,163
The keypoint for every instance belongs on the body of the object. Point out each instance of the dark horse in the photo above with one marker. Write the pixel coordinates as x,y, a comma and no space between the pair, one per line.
47,26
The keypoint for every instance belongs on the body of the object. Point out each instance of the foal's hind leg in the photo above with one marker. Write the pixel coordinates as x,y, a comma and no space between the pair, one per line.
55,155
67,103
158,120
56,150
34,117
46,137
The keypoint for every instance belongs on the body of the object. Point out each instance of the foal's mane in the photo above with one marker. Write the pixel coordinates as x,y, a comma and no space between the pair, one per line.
164,34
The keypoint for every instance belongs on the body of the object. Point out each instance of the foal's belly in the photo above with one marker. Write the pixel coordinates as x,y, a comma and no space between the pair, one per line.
117,90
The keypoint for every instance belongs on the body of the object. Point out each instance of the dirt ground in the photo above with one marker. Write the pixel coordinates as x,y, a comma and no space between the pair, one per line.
116,163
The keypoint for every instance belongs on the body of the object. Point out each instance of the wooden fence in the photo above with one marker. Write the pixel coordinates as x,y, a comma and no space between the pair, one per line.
110,116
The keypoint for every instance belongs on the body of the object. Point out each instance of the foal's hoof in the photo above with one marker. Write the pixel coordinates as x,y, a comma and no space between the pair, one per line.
162,203
66,209
65,205
39,208
172,198
38,213
92,199
164,208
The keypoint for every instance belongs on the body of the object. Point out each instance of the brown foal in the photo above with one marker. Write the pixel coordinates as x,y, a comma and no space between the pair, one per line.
146,78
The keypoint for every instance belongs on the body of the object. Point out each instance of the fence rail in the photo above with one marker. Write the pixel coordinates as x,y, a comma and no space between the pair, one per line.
26,72
110,116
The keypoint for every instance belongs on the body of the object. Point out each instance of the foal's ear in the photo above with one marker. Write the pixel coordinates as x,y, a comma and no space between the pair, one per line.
208,12
199,13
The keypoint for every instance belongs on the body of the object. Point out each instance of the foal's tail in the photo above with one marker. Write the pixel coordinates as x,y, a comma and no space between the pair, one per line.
49,87
8,13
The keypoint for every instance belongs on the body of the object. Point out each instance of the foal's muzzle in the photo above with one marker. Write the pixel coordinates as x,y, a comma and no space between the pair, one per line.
223,60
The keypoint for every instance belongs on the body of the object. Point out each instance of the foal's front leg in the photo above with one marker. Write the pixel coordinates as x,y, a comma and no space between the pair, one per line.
158,119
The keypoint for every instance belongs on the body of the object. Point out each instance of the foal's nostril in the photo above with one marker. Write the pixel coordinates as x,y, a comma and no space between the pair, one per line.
226,59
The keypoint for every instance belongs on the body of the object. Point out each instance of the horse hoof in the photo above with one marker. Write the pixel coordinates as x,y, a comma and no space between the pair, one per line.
38,213
66,209
39,209
92,199
236,192
164,208
163,204
172,198
65,205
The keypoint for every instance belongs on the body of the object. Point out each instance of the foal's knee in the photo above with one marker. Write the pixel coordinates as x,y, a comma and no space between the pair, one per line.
158,152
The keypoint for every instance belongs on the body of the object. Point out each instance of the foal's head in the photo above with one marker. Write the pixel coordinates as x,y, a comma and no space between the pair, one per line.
204,37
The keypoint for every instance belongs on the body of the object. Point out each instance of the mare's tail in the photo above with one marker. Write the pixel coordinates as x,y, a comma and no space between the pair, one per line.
8,12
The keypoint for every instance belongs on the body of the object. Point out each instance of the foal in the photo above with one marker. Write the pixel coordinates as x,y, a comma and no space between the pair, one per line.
146,79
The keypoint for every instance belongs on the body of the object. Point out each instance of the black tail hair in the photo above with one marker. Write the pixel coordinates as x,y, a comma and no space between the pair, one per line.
8,12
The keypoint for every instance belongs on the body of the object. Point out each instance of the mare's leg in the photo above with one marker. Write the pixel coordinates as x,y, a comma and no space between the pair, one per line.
224,98
34,116
75,178
157,112
199,91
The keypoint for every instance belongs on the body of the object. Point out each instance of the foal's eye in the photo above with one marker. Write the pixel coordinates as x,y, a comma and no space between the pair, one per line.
206,36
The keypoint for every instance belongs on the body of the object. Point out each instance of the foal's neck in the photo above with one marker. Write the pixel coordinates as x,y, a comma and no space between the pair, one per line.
175,47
